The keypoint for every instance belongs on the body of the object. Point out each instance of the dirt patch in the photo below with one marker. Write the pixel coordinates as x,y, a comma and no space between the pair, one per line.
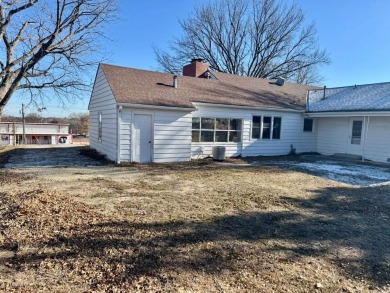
190,227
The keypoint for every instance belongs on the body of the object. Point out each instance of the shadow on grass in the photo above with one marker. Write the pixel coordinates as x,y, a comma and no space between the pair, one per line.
347,226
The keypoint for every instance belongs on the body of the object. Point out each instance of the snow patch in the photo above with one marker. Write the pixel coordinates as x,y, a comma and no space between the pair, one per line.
350,174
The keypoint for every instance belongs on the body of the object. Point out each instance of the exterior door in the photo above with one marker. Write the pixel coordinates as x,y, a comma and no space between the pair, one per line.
355,145
142,138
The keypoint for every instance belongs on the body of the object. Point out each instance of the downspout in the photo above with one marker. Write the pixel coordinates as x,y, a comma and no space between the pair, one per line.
119,121
365,134
14,131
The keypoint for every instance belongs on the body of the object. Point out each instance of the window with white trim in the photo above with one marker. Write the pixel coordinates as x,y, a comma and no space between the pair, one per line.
100,126
266,127
308,125
216,129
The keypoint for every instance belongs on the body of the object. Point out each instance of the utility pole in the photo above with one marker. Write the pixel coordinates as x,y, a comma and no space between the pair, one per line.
24,128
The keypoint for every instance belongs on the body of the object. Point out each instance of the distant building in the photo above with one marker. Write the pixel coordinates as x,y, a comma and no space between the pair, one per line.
36,133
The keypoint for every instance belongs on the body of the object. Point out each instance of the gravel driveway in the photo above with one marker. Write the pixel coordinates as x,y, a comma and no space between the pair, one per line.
48,156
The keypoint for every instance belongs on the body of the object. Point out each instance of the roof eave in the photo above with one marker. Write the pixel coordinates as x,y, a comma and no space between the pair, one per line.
156,107
348,113
248,107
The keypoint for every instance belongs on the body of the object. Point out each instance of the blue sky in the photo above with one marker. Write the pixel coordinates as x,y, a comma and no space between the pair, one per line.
354,32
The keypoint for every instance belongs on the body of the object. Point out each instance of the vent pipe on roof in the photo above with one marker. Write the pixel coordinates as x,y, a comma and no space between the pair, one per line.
175,81
324,92
280,81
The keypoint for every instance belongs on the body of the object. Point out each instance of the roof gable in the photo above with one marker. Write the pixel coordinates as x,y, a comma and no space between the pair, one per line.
137,86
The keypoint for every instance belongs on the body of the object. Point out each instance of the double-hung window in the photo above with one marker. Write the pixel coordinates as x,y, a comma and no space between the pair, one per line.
266,127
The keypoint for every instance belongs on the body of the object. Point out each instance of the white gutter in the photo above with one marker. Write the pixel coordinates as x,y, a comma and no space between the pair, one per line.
365,135
348,114
152,107
246,107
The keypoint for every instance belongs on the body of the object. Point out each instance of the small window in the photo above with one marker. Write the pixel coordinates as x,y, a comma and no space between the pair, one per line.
100,126
308,125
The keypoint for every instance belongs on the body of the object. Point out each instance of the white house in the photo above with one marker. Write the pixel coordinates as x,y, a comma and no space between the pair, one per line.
36,133
352,120
145,116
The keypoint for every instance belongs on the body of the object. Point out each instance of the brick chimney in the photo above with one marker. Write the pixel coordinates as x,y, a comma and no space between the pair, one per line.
196,68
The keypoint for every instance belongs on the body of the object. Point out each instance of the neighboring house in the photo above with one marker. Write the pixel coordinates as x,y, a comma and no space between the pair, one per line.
352,120
36,133
146,116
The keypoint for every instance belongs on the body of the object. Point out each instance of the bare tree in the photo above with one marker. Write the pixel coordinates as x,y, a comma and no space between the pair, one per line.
257,38
79,123
49,44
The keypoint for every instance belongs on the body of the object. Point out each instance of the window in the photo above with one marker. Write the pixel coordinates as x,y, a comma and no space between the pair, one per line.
308,125
216,130
266,127
276,128
4,137
256,126
100,126
195,129
357,127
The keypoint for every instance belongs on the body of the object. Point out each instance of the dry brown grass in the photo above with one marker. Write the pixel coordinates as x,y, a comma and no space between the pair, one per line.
191,228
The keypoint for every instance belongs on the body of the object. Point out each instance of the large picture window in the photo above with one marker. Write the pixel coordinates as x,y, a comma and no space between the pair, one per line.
216,129
266,127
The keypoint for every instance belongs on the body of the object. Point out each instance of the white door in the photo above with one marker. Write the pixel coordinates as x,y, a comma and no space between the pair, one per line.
142,138
355,145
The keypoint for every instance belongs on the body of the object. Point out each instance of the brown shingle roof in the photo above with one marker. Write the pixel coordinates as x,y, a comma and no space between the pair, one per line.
137,86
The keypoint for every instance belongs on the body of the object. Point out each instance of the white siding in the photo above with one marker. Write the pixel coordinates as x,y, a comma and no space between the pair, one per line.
171,134
333,135
292,134
125,133
377,146
102,100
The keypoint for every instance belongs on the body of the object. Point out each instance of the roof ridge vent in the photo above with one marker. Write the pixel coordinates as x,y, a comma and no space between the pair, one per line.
280,81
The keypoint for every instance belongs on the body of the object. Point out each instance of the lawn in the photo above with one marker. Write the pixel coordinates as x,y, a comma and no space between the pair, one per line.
190,227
